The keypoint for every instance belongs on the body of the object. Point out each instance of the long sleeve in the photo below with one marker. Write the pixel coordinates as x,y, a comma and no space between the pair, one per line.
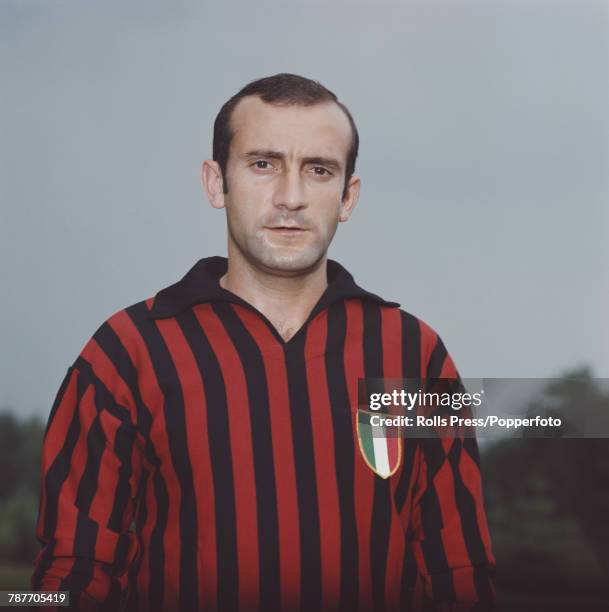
88,484
451,542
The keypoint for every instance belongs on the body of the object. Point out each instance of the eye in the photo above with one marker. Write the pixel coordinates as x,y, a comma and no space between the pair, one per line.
262,164
321,171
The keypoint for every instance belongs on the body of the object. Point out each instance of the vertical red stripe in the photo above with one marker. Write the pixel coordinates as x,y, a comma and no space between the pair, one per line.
448,368
418,602
393,451
325,467
283,455
391,336
391,339
407,507
143,578
242,453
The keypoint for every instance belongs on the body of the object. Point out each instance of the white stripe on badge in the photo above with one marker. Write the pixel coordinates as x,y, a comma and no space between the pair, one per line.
379,443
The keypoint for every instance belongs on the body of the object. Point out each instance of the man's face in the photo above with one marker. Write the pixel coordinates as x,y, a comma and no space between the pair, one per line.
285,173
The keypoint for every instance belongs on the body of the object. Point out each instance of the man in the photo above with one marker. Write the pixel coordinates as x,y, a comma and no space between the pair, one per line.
203,450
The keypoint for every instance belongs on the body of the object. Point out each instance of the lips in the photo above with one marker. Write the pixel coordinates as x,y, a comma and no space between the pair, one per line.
288,228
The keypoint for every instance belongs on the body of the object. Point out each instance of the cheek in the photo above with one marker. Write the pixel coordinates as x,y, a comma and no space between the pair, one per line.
329,214
325,225
249,197
244,213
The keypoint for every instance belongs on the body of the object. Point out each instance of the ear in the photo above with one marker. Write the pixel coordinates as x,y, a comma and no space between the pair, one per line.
350,200
211,178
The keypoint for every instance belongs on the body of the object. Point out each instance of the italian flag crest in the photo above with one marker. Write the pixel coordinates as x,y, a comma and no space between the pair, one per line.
381,446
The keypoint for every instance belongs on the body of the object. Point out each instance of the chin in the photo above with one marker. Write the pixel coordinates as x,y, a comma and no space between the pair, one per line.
289,261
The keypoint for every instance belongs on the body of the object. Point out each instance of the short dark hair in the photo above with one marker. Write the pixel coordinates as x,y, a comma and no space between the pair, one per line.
283,90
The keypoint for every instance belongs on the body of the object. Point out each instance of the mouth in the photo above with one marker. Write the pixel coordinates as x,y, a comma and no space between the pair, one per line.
287,229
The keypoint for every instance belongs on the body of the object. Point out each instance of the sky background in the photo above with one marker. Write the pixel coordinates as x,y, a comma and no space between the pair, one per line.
484,161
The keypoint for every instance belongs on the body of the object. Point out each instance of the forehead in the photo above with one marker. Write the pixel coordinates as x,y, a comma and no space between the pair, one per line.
321,129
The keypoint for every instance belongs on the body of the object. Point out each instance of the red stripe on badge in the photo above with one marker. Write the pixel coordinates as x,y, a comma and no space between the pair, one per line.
393,450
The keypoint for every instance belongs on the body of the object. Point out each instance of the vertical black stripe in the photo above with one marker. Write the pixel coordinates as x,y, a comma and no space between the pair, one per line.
436,360
123,447
343,456
81,572
262,448
466,505
411,346
431,518
381,506
141,515
411,369
115,596
175,419
118,566
409,451
306,482
218,439
156,569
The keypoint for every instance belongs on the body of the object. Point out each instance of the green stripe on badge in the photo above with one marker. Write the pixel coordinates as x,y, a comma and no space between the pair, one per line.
365,436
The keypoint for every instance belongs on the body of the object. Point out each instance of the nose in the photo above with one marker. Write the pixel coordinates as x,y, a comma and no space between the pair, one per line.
290,191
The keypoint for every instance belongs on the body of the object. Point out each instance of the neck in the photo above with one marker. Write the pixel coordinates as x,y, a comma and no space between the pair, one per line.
286,301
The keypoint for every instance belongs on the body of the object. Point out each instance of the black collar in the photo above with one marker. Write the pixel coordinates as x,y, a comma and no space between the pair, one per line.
201,284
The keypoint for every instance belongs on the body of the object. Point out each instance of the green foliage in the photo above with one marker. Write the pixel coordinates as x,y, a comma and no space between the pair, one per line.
20,452
547,499
15,577
20,448
17,522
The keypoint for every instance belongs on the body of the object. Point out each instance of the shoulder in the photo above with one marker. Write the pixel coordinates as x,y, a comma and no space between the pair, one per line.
421,343
122,332
412,328
418,326
113,354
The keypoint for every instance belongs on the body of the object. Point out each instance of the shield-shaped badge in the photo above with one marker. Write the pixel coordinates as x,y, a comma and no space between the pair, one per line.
381,446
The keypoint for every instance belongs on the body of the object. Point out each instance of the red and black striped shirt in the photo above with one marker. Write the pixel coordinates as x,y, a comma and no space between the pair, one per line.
195,460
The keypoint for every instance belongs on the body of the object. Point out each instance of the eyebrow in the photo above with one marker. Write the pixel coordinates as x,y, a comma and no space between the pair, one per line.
270,154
